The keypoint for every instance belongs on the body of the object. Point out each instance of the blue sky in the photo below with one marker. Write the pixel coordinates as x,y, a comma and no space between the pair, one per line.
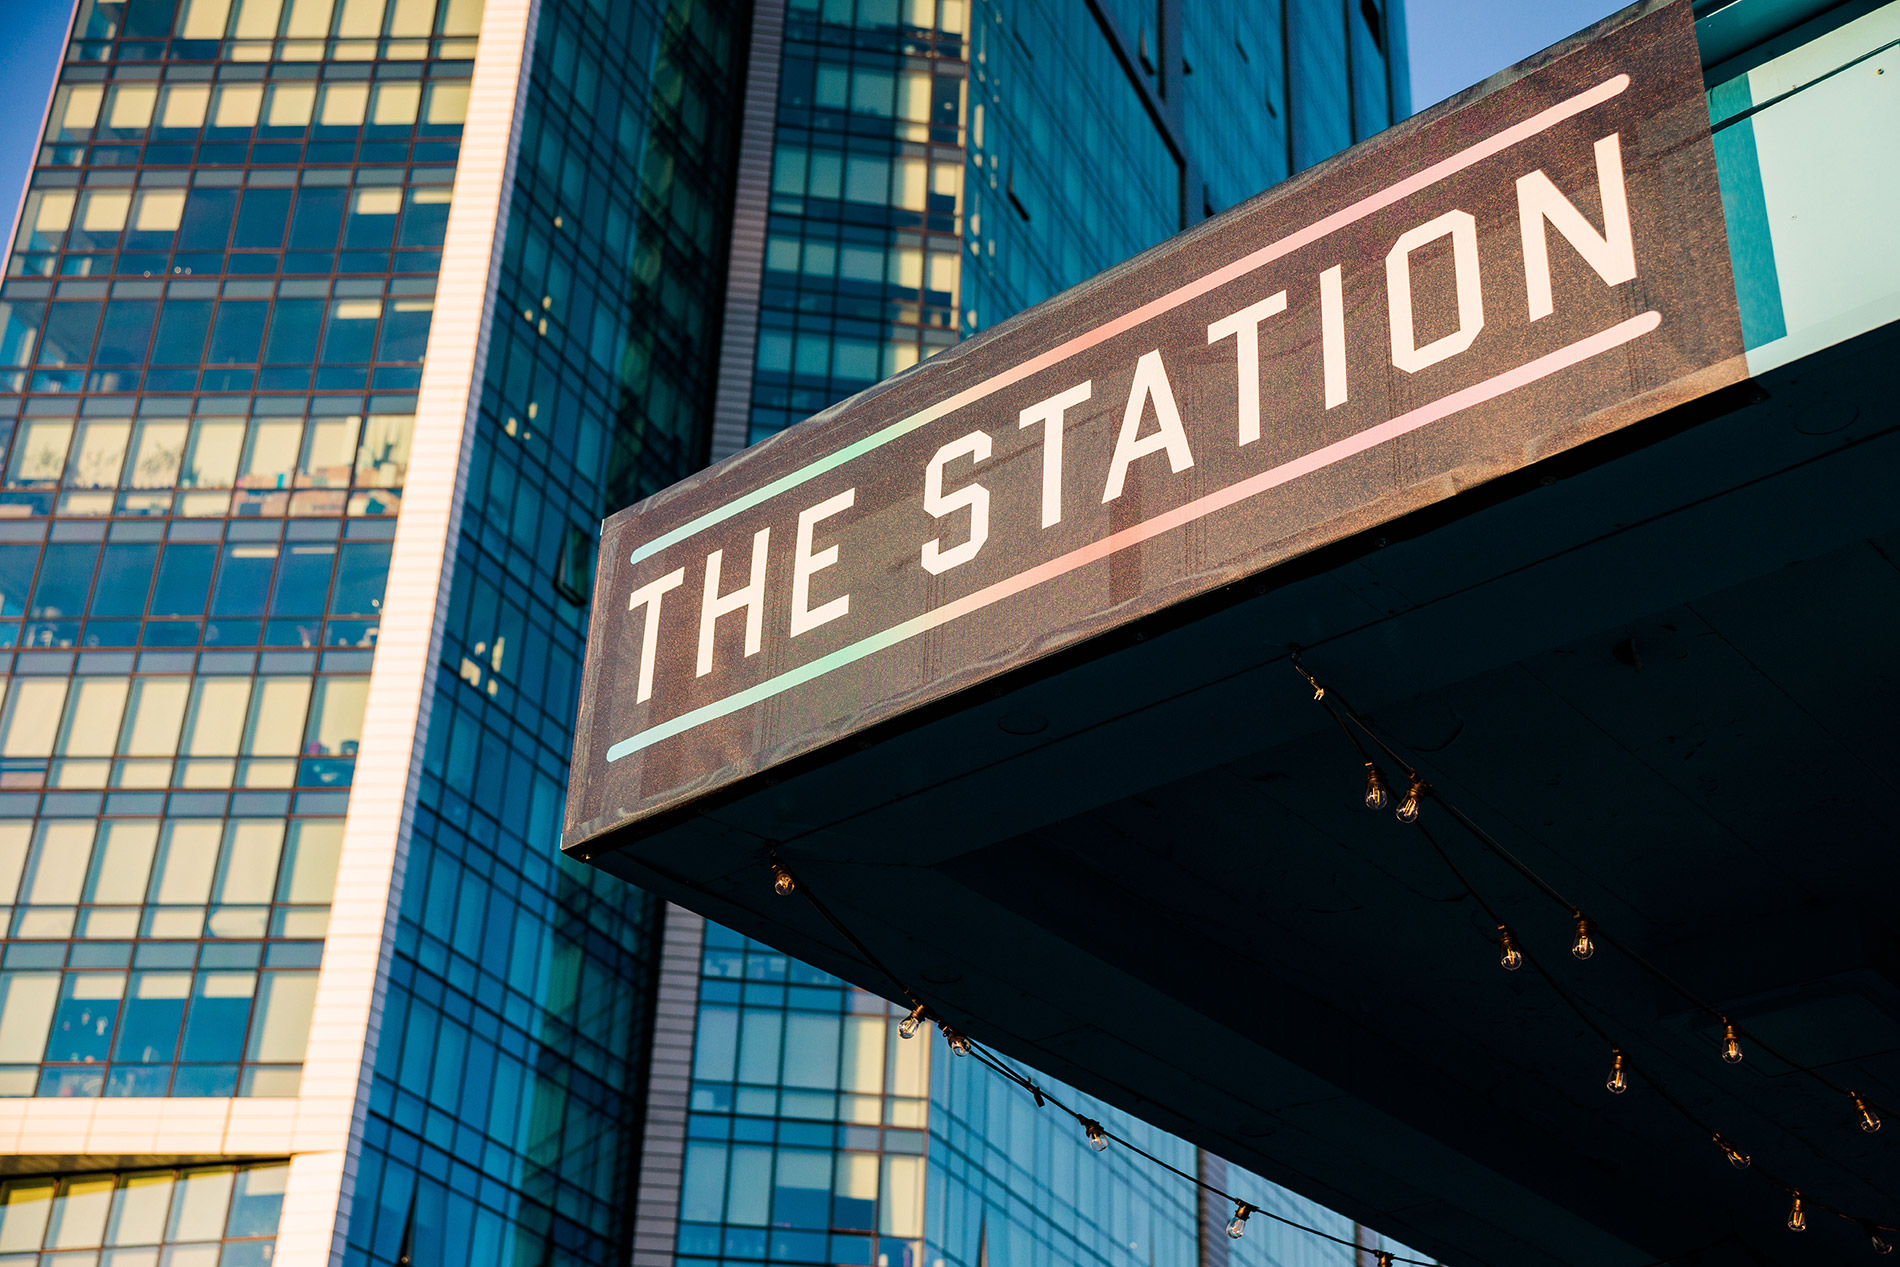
1455,43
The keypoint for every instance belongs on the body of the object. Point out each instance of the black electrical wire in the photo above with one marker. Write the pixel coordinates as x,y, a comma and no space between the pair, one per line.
1323,695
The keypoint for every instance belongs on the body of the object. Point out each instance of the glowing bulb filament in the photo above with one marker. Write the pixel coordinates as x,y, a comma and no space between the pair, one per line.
1407,810
1098,1140
907,1028
1584,946
1797,1217
1736,1157
1237,1225
1377,795
1508,954
782,882
1618,1083
1869,1122
1731,1046
959,1043
1385,1257
1881,1244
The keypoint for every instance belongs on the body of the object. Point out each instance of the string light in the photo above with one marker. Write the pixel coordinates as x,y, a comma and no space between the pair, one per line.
1584,946
1511,957
1508,954
1377,794
907,1028
1731,1046
1407,810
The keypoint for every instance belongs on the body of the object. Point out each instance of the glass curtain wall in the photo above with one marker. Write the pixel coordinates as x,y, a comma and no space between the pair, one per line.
197,1216
505,1103
211,332
862,252
817,1135
940,165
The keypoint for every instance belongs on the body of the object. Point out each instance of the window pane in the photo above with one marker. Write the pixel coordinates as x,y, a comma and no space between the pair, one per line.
24,1212
14,838
148,1034
16,577
425,221
31,718
212,459
271,456
204,19
98,454
336,716
82,1029
303,581
239,329
182,327
361,19
244,580
125,578
217,716
220,1013
157,450
282,1028
92,716
127,332
319,215
152,720
27,1000
257,19
65,578
277,715
362,573
310,869
203,1197
329,450
184,106
261,218
259,1200
123,862
186,861
294,325
251,850
58,868
138,1210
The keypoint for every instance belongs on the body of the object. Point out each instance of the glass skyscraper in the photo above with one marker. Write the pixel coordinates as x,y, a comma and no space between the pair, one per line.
330,330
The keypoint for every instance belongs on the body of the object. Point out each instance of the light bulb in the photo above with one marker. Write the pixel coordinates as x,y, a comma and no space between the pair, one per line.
1098,1138
1736,1157
1385,1258
1617,1084
1237,1225
1377,795
1868,1121
1508,954
1407,810
1731,1046
1584,946
1881,1244
907,1028
1797,1217
782,882
959,1045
